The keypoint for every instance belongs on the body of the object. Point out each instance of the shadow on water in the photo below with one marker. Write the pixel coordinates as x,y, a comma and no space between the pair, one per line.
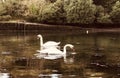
97,55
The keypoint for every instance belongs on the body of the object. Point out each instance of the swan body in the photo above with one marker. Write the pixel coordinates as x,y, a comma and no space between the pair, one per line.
47,44
54,52
4,75
50,44
51,51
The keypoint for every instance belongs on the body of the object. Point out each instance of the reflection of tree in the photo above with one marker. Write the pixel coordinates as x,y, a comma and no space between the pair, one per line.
95,42
6,61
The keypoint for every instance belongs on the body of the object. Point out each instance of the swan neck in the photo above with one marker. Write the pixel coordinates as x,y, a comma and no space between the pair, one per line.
65,52
41,42
64,49
65,59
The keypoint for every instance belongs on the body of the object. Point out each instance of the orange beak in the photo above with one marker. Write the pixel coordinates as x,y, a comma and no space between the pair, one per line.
73,53
73,49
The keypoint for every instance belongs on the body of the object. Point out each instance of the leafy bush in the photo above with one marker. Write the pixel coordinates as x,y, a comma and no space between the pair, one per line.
62,11
2,9
31,18
53,13
5,18
115,13
102,16
80,11
107,4
15,8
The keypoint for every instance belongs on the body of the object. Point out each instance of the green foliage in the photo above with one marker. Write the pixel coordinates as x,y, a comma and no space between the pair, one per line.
102,16
2,9
115,13
5,18
35,9
15,8
80,11
62,11
53,13
107,4
35,6
33,13
3,13
31,18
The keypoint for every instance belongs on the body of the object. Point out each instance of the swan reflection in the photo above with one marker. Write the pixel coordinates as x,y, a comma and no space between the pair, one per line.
50,75
53,57
50,57
4,75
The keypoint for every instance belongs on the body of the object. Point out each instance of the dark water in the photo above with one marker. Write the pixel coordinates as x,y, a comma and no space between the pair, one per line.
97,55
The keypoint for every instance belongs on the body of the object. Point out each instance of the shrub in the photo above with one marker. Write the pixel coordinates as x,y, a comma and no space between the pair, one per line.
102,16
80,11
5,18
115,13
15,8
53,13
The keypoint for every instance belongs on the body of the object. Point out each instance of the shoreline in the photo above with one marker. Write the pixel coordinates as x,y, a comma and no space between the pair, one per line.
5,25
32,26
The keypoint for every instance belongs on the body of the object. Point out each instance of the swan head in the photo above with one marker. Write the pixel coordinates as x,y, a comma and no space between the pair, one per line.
70,45
39,35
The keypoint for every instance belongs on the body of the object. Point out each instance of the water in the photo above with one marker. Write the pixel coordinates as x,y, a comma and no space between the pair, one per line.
97,55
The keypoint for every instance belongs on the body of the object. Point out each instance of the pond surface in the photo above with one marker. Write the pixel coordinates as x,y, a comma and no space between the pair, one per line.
97,55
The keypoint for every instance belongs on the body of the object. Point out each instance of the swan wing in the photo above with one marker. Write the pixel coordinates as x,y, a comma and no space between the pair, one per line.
55,51
45,50
52,50
50,43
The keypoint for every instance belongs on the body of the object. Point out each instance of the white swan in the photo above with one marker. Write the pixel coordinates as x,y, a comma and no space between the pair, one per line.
4,75
47,44
54,52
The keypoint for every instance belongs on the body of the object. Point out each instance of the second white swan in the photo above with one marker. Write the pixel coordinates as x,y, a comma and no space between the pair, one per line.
47,44
55,52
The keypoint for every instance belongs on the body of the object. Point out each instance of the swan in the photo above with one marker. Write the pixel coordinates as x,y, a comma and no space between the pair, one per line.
4,75
47,44
54,52
87,31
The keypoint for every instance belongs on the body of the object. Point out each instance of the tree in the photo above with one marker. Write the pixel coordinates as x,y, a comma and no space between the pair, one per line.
15,8
35,9
115,13
102,16
53,13
2,9
80,11
107,4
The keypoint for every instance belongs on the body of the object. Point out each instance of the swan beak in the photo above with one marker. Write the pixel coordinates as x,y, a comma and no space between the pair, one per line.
38,35
73,49
73,53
